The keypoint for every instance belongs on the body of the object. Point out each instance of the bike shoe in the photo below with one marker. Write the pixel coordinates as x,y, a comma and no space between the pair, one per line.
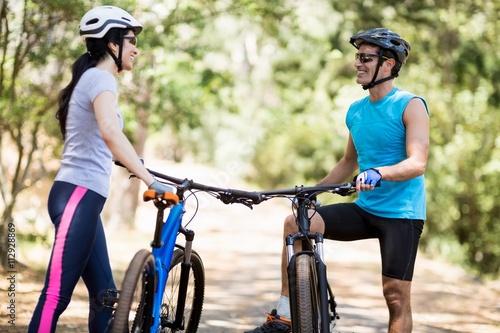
274,324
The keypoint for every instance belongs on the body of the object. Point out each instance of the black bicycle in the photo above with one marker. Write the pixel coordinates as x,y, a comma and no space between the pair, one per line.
312,303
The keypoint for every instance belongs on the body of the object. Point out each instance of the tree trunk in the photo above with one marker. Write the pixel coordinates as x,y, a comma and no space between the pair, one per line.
7,240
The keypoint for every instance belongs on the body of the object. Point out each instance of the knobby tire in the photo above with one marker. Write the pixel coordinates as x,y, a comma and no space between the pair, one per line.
194,296
134,310
307,294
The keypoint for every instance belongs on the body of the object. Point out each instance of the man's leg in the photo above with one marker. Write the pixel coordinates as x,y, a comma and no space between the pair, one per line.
278,321
290,227
399,245
397,295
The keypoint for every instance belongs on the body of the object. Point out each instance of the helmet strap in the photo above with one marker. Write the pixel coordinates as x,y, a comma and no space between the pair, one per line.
118,60
373,83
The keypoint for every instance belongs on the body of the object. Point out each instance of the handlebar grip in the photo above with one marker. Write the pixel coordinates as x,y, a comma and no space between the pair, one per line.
254,196
169,197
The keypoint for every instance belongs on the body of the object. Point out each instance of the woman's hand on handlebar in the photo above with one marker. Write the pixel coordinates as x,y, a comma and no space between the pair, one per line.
162,188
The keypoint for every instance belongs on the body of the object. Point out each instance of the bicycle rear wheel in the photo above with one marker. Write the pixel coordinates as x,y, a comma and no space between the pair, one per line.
194,295
307,294
133,312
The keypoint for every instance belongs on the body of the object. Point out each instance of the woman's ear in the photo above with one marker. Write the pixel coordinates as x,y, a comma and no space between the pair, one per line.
113,47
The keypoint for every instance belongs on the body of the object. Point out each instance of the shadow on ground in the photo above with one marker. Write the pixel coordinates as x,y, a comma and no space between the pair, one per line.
241,248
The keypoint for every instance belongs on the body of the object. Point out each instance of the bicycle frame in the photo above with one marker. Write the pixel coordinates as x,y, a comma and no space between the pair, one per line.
163,246
163,252
313,249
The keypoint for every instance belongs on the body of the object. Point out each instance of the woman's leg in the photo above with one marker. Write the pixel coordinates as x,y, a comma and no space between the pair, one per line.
74,211
98,278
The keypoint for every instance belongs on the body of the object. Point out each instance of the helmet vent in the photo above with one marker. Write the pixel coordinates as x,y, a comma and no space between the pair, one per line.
93,21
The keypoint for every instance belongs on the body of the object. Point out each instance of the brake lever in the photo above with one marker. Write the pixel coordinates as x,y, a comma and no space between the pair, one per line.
345,190
226,198
246,202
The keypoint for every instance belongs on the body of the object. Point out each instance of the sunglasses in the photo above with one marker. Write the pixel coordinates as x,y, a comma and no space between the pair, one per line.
366,57
132,39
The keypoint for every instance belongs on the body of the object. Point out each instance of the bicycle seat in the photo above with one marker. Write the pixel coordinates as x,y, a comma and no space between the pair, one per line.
170,198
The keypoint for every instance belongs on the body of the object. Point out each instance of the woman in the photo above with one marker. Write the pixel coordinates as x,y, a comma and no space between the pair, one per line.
91,126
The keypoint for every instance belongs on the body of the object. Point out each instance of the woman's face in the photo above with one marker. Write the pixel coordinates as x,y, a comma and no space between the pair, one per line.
129,51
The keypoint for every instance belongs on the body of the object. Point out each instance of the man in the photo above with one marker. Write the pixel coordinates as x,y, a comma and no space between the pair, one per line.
388,141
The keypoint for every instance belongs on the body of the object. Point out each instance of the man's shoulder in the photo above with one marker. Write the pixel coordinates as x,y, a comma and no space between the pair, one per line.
406,97
360,102
400,93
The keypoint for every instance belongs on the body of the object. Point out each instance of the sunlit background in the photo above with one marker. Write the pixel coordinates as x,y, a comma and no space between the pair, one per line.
256,92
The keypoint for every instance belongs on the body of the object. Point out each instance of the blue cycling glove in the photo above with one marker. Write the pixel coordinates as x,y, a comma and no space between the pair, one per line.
370,177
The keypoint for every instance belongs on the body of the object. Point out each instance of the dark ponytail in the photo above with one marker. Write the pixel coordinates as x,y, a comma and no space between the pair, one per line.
97,49
84,62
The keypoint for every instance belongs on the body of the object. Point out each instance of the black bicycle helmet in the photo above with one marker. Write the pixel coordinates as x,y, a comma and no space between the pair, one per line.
386,40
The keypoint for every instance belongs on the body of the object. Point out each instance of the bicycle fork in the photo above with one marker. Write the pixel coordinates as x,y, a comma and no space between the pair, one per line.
184,279
314,251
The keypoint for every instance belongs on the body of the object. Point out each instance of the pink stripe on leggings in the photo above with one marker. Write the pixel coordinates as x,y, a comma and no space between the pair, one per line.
54,287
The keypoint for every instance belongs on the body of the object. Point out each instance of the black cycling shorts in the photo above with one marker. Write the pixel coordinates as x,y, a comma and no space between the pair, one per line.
398,238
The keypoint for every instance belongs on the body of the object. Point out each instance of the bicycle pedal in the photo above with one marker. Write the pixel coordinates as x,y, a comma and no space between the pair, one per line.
110,298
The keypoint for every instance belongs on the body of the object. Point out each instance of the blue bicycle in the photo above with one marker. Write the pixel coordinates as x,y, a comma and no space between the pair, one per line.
163,289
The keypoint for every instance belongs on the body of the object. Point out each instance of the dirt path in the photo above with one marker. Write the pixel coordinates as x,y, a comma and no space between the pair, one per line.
240,249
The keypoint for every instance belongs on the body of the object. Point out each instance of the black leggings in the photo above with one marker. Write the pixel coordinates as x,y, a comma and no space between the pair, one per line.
398,238
79,250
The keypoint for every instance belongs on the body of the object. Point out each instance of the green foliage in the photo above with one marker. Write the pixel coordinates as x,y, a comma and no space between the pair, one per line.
464,163
29,72
454,65
265,85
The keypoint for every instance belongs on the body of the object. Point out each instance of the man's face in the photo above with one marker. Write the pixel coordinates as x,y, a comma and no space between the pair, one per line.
366,70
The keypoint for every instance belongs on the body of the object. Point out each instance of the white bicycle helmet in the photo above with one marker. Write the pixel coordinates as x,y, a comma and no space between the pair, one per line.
97,22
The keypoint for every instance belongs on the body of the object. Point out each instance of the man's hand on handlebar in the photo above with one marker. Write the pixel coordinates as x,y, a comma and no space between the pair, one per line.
368,180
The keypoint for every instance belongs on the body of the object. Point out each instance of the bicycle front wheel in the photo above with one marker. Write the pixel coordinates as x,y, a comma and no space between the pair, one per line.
195,292
307,294
135,303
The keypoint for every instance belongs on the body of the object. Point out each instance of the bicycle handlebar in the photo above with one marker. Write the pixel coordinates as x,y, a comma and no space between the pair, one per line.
226,195
343,189
250,198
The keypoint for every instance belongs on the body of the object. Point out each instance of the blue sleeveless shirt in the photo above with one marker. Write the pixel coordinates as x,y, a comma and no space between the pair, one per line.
379,136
